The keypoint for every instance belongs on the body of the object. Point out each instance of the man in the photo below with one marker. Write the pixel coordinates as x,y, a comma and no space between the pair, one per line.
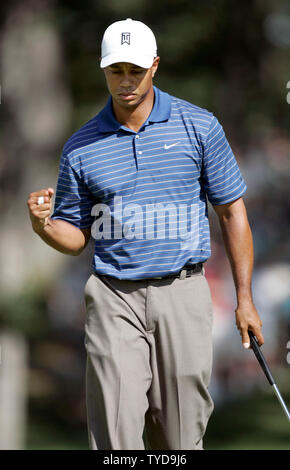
137,177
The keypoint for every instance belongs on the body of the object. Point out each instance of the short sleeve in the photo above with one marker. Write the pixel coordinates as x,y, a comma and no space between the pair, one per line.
73,201
221,176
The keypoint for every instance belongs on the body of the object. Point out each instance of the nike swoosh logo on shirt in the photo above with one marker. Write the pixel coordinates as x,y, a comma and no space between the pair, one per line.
169,146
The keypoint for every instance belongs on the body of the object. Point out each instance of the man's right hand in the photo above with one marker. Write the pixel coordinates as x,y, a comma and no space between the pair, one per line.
39,213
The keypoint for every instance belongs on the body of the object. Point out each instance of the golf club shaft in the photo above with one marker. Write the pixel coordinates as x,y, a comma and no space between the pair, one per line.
282,403
262,361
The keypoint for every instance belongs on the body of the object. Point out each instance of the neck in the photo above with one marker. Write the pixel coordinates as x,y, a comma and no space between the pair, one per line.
135,117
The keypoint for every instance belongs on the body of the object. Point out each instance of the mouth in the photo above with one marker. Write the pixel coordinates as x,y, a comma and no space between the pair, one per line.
127,96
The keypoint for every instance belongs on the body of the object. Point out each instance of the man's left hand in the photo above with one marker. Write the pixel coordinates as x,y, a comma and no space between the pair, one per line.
247,318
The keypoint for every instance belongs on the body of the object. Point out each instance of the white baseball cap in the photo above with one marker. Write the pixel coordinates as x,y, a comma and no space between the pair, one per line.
128,41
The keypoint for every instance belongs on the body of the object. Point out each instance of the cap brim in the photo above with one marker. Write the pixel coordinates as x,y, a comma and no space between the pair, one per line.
144,61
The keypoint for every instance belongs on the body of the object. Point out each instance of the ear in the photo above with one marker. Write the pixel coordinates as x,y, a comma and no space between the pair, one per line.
155,65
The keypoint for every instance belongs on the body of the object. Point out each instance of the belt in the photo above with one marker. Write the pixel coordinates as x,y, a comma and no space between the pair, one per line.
186,271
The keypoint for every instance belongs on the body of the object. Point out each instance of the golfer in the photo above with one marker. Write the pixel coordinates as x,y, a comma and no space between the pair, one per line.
138,178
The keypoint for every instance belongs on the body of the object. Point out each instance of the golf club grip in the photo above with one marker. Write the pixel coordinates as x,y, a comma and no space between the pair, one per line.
261,359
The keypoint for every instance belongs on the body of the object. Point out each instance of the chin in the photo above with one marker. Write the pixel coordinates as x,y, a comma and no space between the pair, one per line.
130,104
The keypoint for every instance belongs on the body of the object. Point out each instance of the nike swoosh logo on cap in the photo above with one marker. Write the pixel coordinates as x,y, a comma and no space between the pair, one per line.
169,146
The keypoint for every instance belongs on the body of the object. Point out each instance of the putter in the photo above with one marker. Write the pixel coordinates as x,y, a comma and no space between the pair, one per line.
262,361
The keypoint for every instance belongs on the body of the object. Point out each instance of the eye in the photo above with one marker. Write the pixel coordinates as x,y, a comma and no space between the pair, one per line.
136,72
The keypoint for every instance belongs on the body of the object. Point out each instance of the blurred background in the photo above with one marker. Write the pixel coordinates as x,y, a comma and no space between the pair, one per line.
231,58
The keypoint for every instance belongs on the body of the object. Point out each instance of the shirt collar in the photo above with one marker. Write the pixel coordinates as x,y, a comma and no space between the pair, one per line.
161,112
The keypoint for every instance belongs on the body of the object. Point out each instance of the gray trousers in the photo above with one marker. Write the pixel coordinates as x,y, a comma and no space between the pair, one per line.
149,360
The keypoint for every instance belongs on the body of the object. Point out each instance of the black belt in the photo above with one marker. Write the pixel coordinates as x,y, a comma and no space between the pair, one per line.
186,271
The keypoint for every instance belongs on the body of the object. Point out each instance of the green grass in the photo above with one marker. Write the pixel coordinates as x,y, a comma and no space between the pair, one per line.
255,422
50,436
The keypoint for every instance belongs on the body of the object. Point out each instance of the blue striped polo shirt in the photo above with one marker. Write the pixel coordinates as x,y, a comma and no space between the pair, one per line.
145,194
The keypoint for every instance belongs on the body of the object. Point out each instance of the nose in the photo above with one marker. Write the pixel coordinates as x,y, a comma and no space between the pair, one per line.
126,80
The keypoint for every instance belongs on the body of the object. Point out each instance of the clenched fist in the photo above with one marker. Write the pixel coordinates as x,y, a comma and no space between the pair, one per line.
39,213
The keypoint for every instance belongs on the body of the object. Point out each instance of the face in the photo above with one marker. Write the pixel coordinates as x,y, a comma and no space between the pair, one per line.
129,84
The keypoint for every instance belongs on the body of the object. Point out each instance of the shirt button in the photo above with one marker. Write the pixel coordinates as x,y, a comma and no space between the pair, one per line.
137,136
140,153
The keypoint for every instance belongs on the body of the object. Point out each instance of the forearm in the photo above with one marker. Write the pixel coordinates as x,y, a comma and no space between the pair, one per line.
238,241
62,236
